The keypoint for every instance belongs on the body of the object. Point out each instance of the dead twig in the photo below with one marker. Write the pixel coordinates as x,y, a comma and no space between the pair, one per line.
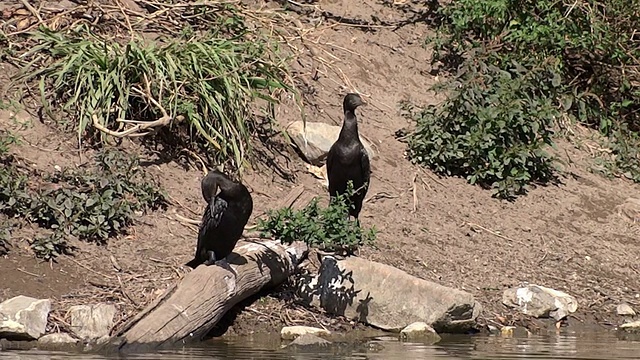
415,193
33,10
126,293
90,269
204,169
494,233
141,127
28,273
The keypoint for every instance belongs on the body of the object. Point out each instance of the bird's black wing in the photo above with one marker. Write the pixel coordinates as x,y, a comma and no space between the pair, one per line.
210,220
365,166
330,160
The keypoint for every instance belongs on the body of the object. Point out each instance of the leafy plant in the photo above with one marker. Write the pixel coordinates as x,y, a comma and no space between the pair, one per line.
92,204
50,247
492,129
207,79
327,228
5,235
95,206
594,45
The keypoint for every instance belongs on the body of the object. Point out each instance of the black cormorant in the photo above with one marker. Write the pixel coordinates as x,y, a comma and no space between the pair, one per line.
224,218
348,159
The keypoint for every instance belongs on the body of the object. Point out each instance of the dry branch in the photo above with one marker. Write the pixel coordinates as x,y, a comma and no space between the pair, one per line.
189,310
140,126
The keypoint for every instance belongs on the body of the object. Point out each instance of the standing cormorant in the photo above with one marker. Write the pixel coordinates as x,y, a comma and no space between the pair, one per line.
224,218
348,159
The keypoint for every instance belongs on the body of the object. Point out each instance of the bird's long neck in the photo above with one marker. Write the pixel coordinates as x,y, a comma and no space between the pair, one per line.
350,126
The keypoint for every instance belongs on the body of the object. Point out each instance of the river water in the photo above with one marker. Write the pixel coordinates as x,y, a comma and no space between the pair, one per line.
601,346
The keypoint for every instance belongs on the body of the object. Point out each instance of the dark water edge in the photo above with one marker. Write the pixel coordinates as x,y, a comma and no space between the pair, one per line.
567,345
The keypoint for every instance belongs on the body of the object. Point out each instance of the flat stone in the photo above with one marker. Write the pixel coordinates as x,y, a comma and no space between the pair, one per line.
58,339
307,340
540,301
292,332
419,331
24,318
386,297
632,327
319,139
625,310
91,322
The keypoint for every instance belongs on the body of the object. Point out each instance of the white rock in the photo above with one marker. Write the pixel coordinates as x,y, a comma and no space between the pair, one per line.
58,338
633,327
292,332
24,318
419,330
540,301
305,340
625,310
319,138
91,322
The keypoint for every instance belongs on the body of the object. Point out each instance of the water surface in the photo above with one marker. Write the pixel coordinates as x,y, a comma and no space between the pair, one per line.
602,346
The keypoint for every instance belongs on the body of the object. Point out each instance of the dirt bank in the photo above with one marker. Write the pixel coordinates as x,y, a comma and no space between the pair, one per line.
569,237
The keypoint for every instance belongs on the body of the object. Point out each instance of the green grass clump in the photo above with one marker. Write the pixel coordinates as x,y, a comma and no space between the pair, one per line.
580,60
207,78
92,204
328,229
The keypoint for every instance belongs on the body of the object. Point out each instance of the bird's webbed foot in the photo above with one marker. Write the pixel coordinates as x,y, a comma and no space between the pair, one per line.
223,263
211,258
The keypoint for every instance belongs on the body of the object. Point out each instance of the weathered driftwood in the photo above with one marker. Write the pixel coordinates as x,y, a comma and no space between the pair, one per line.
190,309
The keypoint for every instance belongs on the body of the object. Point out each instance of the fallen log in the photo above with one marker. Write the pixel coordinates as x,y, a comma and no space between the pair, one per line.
190,309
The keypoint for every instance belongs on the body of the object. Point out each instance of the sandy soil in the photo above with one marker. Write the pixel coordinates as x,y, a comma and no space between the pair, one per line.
569,237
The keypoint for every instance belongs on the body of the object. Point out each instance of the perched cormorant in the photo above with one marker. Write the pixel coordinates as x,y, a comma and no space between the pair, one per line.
348,159
224,218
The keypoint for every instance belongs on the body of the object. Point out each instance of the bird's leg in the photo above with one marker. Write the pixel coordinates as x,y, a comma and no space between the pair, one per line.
211,258
223,263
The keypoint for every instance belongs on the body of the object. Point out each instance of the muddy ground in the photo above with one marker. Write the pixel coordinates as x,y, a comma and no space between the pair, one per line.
571,237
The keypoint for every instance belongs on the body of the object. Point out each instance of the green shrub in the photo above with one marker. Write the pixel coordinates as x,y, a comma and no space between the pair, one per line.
492,129
594,46
92,204
328,229
50,247
96,205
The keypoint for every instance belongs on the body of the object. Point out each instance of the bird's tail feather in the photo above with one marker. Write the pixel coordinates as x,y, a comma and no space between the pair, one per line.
194,263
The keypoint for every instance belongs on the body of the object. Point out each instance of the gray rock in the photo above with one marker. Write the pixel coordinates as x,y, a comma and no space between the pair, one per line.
540,301
307,340
57,339
420,331
632,327
630,210
386,297
625,310
91,322
293,332
319,138
24,318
